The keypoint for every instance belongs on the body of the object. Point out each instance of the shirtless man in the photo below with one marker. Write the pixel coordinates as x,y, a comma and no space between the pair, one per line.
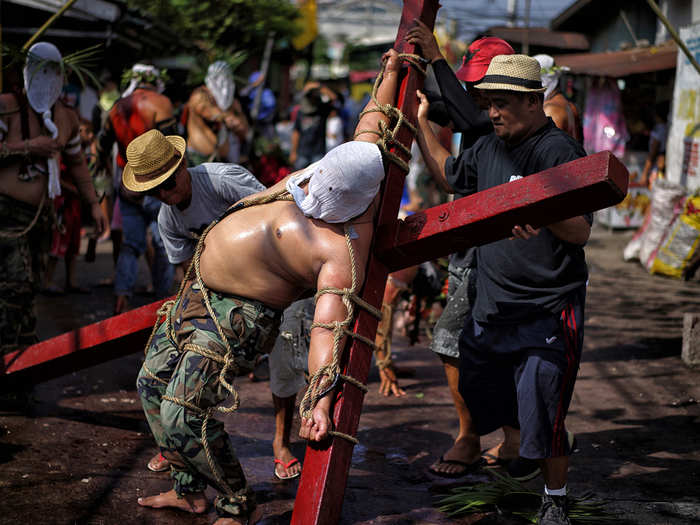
35,131
255,262
141,107
216,125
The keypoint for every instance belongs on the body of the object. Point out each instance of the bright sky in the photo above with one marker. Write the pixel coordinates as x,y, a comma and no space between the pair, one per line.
474,16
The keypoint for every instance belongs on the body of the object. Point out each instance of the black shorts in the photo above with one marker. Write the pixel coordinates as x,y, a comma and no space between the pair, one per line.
523,376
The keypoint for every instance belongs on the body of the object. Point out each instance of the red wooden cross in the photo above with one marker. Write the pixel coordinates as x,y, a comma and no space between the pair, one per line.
584,185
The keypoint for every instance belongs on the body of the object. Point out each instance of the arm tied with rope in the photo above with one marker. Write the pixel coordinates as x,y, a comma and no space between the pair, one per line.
326,377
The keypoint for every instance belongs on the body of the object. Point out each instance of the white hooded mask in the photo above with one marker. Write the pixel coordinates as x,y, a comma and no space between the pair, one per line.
342,184
549,73
43,82
219,81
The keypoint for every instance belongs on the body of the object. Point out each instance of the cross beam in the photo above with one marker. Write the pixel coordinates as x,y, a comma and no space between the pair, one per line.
552,195
90,345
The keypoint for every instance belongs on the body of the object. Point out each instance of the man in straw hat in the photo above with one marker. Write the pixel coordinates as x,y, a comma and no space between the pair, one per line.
466,110
521,343
36,131
311,231
192,198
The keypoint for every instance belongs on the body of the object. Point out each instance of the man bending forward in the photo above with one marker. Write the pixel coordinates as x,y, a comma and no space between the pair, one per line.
254,263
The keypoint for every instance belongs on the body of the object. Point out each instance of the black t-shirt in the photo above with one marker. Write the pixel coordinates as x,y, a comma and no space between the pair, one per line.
518,279
468,119
312,134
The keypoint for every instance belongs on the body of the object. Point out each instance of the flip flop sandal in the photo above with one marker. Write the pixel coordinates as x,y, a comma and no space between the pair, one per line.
292,461
469,468
158,464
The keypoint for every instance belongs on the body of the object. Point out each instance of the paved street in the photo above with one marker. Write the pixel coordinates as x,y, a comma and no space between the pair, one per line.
75,452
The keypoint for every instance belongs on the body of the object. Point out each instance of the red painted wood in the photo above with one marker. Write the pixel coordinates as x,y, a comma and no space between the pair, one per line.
583,185
83,347
324,477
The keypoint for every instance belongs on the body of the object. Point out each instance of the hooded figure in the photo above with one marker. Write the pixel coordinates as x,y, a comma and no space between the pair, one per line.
219,81
550,74
43,82
143,74
342,184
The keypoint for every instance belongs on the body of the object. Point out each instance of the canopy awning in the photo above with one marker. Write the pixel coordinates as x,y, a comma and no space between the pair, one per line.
621,63
541,36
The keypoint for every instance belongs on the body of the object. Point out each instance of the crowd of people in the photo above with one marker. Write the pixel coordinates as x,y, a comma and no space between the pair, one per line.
248,237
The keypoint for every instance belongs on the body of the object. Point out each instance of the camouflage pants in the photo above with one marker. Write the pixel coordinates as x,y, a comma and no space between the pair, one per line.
20,270
250,328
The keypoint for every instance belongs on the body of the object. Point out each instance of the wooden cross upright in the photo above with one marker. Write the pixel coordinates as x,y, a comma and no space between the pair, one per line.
584,185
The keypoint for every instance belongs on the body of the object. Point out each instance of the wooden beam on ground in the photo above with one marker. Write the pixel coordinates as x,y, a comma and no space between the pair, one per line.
324,477
90,345
584,185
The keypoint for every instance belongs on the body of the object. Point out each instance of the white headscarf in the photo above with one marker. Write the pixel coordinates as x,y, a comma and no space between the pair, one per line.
43,81
219,81
138,73
549,73
341,185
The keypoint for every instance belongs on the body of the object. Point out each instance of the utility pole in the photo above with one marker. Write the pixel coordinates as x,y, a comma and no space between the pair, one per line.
526,34
512,12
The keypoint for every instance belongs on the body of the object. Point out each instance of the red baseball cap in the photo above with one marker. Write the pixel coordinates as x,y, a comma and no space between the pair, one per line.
476,60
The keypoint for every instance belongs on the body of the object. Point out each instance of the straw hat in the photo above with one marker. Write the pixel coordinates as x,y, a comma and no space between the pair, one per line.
152,158
513,73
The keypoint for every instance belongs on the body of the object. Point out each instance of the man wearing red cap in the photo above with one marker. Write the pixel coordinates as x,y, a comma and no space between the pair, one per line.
466,111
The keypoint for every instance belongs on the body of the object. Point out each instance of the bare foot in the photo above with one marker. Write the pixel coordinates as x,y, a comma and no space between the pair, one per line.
255,517
500,454
195,503
286,465
462,458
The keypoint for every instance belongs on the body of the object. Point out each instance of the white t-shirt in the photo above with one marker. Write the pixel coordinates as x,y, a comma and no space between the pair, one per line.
334,132
215,187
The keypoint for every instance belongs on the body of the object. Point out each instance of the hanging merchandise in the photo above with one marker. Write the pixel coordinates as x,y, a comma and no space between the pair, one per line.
683,146
604,125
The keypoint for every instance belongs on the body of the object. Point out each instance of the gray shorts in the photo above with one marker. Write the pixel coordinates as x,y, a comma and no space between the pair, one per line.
290,354
460,294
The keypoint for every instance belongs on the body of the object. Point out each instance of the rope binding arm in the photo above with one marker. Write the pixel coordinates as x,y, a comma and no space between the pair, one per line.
326,378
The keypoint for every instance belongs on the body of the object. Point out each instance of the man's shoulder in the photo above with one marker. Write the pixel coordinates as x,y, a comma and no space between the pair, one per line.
149,97
553,137
201,95
66,115
8,104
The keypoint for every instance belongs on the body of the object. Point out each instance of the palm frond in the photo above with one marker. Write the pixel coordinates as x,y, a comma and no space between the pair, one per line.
80,62
509,496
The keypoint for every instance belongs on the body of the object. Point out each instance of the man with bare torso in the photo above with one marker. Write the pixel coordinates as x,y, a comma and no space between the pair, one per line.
252,264
216,124
141,107
35,131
